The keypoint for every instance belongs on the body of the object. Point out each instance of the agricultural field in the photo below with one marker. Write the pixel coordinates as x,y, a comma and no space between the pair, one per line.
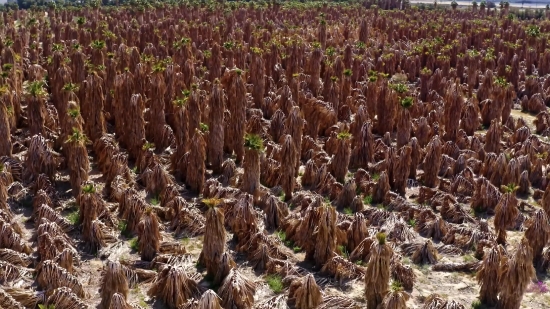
205,155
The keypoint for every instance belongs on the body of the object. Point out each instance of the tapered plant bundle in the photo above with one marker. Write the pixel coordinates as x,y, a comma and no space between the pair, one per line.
404,274
173,287
5,138
340,161
325,235
257,72
92,107
116,280
288,166
237,291
251,180
214,239
216,127
77,162
134,134
432,162
357,231
493,137
235,88
91,205
149,235
488,276
209,300
401,169
196,168
40,158
453,107
181,131
517,274
377,277
36,96
346,196
304,293
118,301
395,300
421,253
506,213
157,122
381,189
538,234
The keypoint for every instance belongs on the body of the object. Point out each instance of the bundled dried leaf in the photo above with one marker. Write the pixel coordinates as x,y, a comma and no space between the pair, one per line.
404,274
304,293
488,276
149,235
377,276
51,276
173,287
6,301
116,280
237,291
64,297
421,253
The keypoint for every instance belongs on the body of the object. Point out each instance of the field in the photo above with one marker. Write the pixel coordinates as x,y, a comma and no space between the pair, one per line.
273,155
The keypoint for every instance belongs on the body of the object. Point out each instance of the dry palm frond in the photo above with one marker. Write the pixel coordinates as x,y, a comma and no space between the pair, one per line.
118,301
449,250
304,293
506,213
518,272
209,300
173,287
48,213
362,251
342,269
51,276
171,247
237,291
421,253
26,297
357,231
241,218
116,278
325,235
15,258
538,233
10,272
377,276
464,267
67,258
9,238
434,302
149,235
431,226
188,221
338,302
395,300
402,273
214,240
488,276
279,302
225,265
6,301
64,297
99,236
398,230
